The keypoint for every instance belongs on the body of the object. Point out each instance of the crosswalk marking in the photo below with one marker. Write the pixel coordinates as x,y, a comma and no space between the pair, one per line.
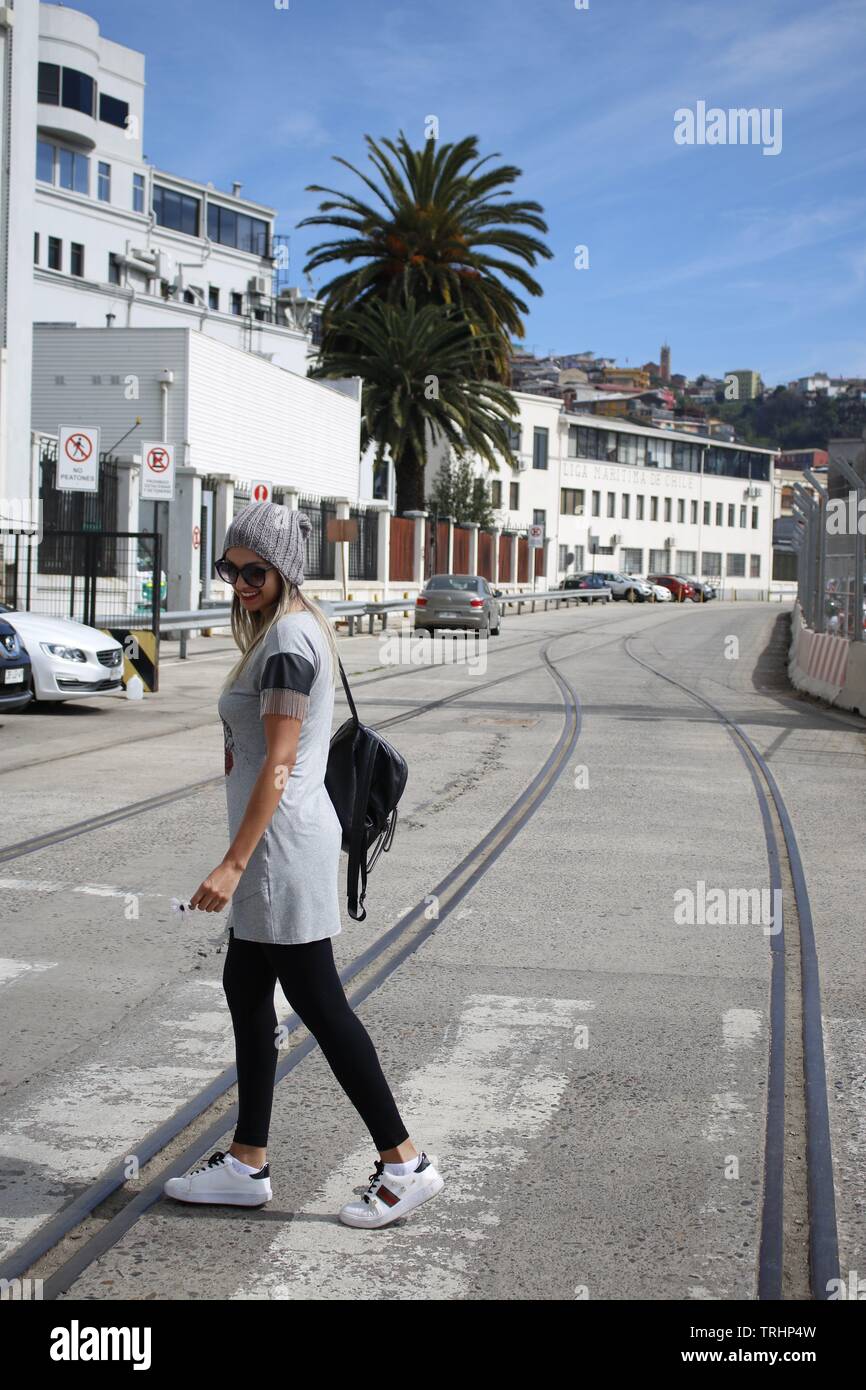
477,1108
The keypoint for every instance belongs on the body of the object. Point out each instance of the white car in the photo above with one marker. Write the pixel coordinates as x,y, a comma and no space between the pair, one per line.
69,659
660,593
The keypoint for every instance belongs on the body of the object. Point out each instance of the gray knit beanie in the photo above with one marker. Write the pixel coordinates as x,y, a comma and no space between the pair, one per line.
276,533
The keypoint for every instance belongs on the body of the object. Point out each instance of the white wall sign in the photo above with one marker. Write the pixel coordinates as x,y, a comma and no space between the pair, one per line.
536,536
78,458
157,472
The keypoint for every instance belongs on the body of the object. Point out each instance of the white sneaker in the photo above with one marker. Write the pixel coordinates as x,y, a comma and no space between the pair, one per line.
218,1180
389,1196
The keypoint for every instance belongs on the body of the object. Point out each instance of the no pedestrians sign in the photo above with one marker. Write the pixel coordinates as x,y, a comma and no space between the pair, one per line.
78,458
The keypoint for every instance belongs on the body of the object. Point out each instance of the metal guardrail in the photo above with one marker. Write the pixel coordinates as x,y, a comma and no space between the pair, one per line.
357,610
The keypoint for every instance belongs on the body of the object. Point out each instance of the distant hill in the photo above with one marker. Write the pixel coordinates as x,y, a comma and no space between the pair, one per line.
786,419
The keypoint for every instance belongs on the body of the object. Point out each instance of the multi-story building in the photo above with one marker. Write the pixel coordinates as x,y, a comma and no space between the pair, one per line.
118,242
616,495
748,384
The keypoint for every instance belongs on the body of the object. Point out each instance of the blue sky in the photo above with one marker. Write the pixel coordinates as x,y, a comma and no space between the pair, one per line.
737,258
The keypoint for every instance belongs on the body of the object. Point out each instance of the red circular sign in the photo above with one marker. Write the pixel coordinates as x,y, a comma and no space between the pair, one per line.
196,537
157,460
78,447
261,492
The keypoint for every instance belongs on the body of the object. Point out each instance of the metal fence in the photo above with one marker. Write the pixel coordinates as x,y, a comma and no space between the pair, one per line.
829,541
106,579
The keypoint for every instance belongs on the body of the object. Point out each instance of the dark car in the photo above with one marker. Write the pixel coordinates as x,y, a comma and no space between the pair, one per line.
15,684
704,589
680,588
585,581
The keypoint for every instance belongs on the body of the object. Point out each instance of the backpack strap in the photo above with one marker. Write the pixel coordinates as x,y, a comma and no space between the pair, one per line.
348,694
358,835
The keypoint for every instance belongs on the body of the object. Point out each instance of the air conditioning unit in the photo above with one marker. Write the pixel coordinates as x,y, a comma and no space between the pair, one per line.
523,464
753,491
616,539
259,284
671,540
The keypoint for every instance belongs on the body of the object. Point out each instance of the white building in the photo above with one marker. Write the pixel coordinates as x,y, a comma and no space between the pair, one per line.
620,496
119,242
18,56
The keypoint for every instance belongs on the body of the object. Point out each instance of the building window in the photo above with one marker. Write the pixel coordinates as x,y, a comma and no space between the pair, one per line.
35,248
48,90
55,253
681,509
513,432
104,182
737,565
539,518
658,562
113,111
754,518
79,91
188,297
720,514
596,504
231,228
611,504
686,560
175,210
754,566
539,446
113,269
73,170
571,501
732,512
667,509
707,506
578,558
514,496
76,258
654,509
213,297
625,505
659,453
711,565
694,511
495,492
630,449
631,561
44,161
639,512
138,193
237,302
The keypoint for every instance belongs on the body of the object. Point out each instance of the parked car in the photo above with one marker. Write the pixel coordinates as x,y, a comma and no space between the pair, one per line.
680,588
15,691
658,593
458,601
68,659
626,586
585,581
701,587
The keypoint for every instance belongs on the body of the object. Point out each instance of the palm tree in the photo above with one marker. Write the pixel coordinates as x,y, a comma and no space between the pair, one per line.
437,237
415,365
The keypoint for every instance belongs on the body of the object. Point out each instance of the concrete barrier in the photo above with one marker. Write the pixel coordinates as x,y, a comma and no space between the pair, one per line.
827,666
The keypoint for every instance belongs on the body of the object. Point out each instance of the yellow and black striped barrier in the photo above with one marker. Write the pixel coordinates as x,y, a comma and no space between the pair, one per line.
140,654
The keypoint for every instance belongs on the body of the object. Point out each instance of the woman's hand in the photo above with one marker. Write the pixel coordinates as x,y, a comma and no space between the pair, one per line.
215,892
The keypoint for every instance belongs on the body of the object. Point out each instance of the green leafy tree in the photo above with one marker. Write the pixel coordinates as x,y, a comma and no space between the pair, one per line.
441,231
459,492
417,388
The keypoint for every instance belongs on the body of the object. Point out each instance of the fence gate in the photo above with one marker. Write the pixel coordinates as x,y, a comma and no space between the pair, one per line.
111,580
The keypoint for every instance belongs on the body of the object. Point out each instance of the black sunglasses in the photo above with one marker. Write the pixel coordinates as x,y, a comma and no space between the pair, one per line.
252,574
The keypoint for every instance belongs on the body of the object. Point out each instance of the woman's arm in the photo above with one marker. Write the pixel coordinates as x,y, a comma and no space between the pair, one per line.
282,733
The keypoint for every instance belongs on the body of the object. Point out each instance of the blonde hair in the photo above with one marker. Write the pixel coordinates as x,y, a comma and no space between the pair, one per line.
250,629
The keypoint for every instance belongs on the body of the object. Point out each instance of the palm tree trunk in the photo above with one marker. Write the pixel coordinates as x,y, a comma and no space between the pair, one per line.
409,470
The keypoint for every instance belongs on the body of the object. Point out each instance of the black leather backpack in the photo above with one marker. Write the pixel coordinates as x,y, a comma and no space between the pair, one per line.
365,779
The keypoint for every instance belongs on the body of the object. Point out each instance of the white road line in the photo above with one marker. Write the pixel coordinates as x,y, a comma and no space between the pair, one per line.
11,970
476,1109
100,890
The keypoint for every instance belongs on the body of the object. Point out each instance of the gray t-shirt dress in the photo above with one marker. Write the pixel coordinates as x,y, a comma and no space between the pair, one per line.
289,891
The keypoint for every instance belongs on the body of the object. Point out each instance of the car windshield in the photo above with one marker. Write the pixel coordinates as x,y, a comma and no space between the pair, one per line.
467,583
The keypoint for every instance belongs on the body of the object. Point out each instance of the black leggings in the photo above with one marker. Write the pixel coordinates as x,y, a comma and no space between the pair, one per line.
308,976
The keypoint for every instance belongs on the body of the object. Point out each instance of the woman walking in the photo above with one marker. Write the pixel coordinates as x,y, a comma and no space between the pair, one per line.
281,875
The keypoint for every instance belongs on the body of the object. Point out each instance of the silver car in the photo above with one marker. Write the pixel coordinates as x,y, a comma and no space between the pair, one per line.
458,601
